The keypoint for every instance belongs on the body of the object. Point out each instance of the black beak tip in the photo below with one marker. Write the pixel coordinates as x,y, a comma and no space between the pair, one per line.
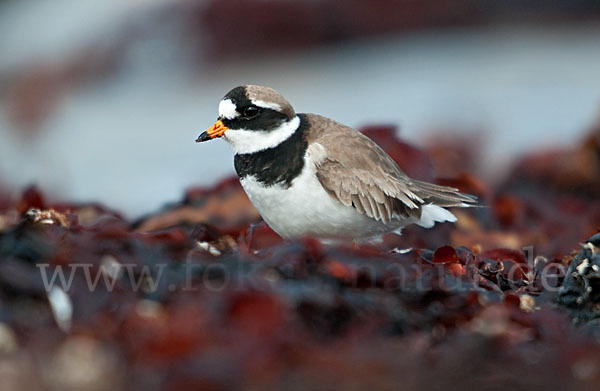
203,137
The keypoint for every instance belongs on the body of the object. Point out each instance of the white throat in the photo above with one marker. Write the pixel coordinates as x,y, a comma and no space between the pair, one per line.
249,141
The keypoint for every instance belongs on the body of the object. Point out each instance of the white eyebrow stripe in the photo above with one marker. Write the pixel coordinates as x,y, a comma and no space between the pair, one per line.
227,109
266,105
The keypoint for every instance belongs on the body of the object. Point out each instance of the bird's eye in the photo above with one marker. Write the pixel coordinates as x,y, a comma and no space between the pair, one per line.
250,111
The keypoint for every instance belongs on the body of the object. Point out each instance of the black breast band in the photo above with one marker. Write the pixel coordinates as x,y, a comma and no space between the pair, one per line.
277,165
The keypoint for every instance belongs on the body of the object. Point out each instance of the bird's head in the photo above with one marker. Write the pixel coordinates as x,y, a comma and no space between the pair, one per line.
253,118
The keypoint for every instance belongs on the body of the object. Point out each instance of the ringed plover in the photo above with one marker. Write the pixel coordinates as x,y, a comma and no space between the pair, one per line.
310,175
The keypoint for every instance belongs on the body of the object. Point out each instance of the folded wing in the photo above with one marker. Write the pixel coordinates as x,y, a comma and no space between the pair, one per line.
356,171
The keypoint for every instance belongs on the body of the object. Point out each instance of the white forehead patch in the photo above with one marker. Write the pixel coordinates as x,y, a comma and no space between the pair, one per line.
227,109
266,105
249,141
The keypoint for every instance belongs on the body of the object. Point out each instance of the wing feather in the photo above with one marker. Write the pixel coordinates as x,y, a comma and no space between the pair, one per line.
356,171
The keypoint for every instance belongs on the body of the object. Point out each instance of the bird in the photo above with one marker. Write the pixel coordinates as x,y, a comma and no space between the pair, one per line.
308,175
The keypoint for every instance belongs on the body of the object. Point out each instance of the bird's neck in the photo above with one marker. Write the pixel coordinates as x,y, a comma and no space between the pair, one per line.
244,141
279,164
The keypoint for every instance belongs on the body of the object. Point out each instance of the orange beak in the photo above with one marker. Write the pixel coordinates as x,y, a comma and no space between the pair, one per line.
217,130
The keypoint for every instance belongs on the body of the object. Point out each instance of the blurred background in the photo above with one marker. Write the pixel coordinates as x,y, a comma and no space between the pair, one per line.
102,100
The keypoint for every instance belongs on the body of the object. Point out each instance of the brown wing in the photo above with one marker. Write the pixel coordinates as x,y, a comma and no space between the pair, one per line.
356,171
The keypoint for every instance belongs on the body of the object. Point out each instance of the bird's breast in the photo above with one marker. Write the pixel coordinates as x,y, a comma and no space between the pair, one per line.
305,208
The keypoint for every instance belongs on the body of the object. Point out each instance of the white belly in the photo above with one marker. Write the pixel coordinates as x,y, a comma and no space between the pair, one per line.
305,208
